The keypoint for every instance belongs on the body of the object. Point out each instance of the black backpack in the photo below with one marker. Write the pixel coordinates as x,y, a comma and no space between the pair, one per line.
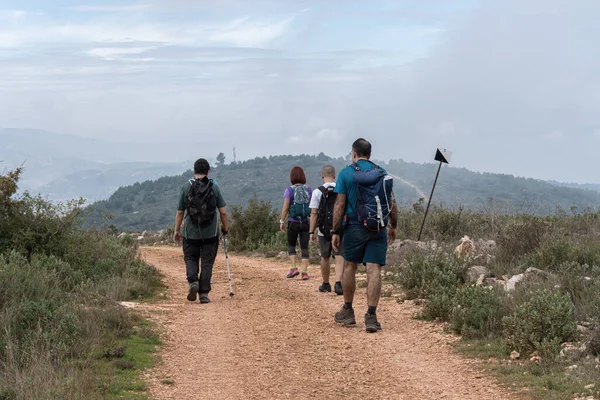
325,211
201,202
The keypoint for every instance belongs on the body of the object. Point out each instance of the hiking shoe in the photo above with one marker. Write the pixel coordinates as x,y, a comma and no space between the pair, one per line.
338,288
371,324
293,273
305,276
193,291
325,288
345,316
204,299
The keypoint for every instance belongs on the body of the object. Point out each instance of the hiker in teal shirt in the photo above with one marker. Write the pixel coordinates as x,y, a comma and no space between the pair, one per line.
364,242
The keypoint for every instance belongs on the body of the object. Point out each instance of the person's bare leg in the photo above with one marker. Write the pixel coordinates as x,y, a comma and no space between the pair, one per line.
349,281
325,269
373,284
305,263
339,268
293,259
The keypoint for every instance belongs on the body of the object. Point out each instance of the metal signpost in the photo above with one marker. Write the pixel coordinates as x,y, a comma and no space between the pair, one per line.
443,156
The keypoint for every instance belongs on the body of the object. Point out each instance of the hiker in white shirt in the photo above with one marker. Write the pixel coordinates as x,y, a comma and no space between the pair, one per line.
321,223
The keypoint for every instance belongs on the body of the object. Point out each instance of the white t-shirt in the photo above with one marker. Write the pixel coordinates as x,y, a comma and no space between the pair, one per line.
316,199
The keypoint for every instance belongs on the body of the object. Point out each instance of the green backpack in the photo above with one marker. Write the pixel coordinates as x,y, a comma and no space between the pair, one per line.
300,208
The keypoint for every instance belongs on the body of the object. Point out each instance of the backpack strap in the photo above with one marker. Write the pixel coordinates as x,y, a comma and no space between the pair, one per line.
323,189
357,168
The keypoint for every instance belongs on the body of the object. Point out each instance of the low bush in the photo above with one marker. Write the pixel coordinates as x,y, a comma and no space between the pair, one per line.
478,311
520,237
256,227
593,341
553,253
58,287
545,316
434,277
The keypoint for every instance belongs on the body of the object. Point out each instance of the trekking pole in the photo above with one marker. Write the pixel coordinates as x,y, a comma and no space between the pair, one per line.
227,262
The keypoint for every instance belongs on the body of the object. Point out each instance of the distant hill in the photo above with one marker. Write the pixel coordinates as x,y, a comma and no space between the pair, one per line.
67,166
585,186
99,182
151,204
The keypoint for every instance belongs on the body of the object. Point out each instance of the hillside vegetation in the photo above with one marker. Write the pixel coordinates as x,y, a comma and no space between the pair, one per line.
62,333
151,204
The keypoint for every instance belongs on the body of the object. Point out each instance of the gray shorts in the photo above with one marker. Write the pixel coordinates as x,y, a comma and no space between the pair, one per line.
327,248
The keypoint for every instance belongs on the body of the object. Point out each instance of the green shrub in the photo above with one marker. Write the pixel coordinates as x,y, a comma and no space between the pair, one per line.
556,252
548,350
593,342
438,305
478,311
582,284
256,227
519,237
545,316
424,274
58,284
434,277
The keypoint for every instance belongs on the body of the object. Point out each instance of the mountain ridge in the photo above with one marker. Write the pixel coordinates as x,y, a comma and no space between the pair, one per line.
151,204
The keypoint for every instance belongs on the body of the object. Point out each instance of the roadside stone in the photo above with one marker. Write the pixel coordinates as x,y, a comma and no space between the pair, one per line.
494,282
582,329
465,247
486,246
515,355
512,282
128,304
567,348
536,359
475,272
590,386
480,280
532,272
572,368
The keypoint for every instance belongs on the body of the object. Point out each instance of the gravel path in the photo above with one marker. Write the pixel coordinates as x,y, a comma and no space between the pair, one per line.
276,339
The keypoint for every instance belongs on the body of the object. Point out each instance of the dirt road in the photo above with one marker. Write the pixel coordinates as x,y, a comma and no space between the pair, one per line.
276,339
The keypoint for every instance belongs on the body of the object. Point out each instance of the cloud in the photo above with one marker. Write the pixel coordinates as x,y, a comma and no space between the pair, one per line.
12,15
555,136
114,53
320,139
410,76
238,32
245,32
112,9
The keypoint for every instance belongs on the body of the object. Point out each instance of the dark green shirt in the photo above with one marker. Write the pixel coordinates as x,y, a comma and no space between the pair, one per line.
194,232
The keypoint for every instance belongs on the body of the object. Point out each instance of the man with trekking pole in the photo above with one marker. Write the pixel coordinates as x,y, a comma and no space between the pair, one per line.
365,198
199,203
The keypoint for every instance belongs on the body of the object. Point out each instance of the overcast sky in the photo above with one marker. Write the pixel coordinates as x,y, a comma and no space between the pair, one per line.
510,86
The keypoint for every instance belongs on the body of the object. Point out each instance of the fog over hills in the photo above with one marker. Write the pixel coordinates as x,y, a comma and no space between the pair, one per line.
63,167
68,166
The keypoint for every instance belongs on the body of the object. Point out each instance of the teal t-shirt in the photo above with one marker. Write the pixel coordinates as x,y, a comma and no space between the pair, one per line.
194,232
345,185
